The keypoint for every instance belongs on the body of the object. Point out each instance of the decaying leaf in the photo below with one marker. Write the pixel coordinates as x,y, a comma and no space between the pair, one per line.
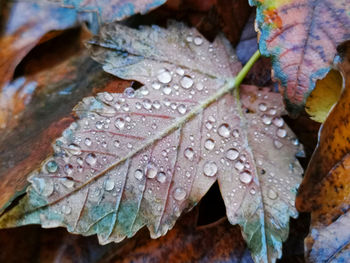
302,37
115,10
141,158
324,96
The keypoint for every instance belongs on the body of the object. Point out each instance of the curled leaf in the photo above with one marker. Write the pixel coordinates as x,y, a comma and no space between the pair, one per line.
141,158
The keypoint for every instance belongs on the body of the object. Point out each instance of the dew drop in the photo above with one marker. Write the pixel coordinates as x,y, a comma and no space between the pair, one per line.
180,71
129,92
42,186
87,141
109,185
272,194
209,144
186,82
189,153
161,177
199,86
164,76
179,194
67,183
277,144
252,191
156,85
266,119
80,161
147,104
224,130
99,125
151,170
156,104
210,168
278,121
295,142
198,41
245,177
107,96
232,154
91,159
119,123
74,149
68,169
208,125
182,109
235,133
167,90
272,111
262,107
116,143
239,166
138,174
281,133
51,167
66,209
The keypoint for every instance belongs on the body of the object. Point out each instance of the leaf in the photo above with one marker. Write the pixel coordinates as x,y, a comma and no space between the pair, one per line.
21,35
141,158
302,37
115,10
324,96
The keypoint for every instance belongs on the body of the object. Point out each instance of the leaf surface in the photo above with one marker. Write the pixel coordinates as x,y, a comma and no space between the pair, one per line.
141,158
302,37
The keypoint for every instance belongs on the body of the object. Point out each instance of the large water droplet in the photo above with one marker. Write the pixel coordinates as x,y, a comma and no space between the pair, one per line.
182,109
161,177
156,104
186,82
278,121
164,76
119,123
179,194
109,184
239,166
151,170
266,119
198,41
156,85
281,133
129,92
224,130
99,125
180,71
262,107
74,149
138,174
167,90
235,133
87,141
245,177
272,194
91,159
147,104
232,154
189,153
210,168
209,144
51,167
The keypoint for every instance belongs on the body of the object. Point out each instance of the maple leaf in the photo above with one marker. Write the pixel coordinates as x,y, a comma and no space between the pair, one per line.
141,158
302,37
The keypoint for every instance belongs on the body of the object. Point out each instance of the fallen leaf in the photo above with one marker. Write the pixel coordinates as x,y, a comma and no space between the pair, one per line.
324,96
115,10
141,158
302,37
21,35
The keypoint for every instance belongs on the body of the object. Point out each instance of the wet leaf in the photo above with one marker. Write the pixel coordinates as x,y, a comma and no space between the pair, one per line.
141,158
115,10
324,96
21,35
302,37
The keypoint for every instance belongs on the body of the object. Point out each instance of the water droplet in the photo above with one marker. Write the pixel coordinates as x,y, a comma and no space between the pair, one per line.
87,141
129,92
147,104
235,133
278,121
281,133
186,82
99,125
156,85
232,154
74,149
91,159
151,170
295,142
245,177
164,76
239,166
138,174
51,167
156,104
224,130
161,177
210,168
272,111
209,144
182,109
67,183
189,153
80,161
199,86
252,191
119,123
272,194
189,38
109,184
66,209
144,91
278,144
198,41
167,90
266,119
179,194
116,143
107,96
42,186
68,169
180,71
208,125
262,107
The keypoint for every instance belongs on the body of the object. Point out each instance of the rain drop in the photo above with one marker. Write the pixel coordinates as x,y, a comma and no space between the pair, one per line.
232,154
198,41
210,168
138,174
74,149
278,144
245,177
224,130
119,123
239,166
87,141
151,170
182,109
156,85
209,144
161,177
262,107
129,92
107,96
272,194
68,169
109,185
116,143
266,119
278,121
91,159
66,209
164,76
51,167
179,194
167,90
186,82
99,125
281,133
189,153
147,104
